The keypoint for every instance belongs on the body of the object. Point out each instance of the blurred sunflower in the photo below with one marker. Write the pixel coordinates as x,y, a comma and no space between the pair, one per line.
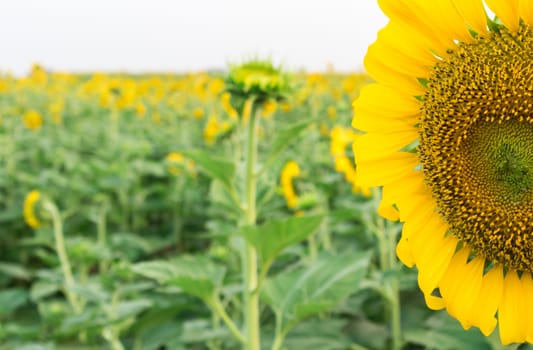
32,120
449,136
290,170
259,79
30,213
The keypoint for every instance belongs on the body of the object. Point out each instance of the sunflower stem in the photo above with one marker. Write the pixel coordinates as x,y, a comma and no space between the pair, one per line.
220,311
249,256
387,255
395,288
62,255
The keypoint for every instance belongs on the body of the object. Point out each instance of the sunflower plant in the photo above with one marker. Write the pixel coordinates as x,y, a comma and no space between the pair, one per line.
448,135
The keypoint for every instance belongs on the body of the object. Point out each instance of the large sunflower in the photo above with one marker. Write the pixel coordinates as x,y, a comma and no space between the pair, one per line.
449,135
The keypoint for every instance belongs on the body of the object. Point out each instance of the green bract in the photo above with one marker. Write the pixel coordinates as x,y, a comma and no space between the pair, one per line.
260,80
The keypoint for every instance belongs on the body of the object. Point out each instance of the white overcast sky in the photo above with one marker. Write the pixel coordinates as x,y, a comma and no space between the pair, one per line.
177,35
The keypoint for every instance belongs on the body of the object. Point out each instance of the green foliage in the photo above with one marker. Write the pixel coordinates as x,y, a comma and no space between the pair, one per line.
155,246
218,169
271,238
195,275
298,294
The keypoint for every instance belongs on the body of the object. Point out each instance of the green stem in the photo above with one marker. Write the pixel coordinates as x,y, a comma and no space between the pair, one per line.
110,332
396,331
102,232
279,335
278,341
218,309
249,260
62,254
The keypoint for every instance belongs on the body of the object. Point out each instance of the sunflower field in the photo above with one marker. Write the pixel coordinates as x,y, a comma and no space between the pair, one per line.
199,211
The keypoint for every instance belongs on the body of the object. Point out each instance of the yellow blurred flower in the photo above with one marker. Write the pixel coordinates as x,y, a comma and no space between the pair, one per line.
324,130
213,128
176,161
341,138
216,86
289,171
156,117
225,98
140,110
57,118
332,112
30,202
33,120
269,108
56,107
198,113
286,107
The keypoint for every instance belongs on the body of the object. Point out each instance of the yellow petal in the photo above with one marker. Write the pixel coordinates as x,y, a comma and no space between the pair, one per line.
528,291
460,287
433,302
384,169
474,14
405,253
412,196
425,212
392,191
381,108
507,11
511,314
448,19
418,46
407,13
389,99
404,248
426,239
402,62
441,17
385,72
484,308
525,9
387,211
430,275
373,145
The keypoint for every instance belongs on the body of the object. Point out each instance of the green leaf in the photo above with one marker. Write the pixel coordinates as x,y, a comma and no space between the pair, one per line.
15,271
445,333
316,334
272,237
286,136
131,308
217,168
195,275
299,294
41,289
12,299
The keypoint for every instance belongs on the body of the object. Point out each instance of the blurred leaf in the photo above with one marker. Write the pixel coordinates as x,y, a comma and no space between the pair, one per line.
217,168
35,346
196,275
200,331
130,308
445,333
15,271
42,289
286,136
91,291
298,294
12,299
89,318
272,237
319,335
160,336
